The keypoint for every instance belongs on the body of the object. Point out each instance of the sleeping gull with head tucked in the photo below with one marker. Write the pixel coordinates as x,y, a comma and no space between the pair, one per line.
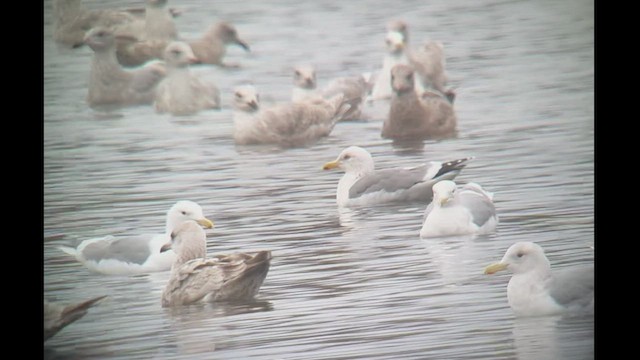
289,125
112,86
459,211
136,254
412,117
354,88
361,184
536,290
57,315
195,278
180,92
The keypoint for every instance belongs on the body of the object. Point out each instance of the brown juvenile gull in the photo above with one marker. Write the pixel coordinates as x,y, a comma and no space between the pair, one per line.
354,88
57,315
428,60
112,86
288,125
180,92
195,278
212,46
416,118
395,55
459,211
536,290
362,184
149,42
136,254
72,20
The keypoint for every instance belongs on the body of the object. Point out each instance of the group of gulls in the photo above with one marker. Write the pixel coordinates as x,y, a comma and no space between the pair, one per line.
421,107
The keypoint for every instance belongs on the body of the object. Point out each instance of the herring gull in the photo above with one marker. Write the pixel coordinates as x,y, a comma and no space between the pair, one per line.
136,254
535,290
57,315
112,86
149,42
395,55
428,60
180,92
361,184
354,88
416,118
288,125
459,211
194,277
211,47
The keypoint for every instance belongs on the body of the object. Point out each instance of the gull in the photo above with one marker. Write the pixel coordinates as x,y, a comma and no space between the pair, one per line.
459,211
416,118
535,290
354,88
395,55
195,278
136,254
180,92
362,184
288,125
109,84
211,47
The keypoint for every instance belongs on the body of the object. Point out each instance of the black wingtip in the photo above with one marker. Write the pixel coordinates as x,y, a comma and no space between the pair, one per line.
453,165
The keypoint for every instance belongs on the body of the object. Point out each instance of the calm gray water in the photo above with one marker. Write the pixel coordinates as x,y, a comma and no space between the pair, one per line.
343,284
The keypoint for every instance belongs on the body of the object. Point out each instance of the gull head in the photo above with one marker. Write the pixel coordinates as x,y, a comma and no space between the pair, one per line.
520,258
394,42
443,192
402,79
179,54
353,159
246,98
186,210
304,77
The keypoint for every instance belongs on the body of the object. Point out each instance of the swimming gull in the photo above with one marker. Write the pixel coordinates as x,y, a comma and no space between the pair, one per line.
361,184
194,277
212,46
428,60
459,211
288,125
57,315
395,55
180,92
535,290
136,254
112,86
354,88
149,42
416,118
72,20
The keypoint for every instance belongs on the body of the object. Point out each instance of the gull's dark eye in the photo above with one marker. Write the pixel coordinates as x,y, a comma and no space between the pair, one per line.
175,52
184,213
238,95
347,157
298,73
520,254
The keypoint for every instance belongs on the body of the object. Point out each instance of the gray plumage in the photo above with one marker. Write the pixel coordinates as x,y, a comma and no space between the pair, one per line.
459,211
180,92
416,118
111,85
57,315
536,290
133,249
413,181
194,277
361,184
211,47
